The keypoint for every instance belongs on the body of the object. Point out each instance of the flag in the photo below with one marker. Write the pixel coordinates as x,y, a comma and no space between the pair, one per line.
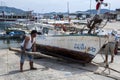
98,5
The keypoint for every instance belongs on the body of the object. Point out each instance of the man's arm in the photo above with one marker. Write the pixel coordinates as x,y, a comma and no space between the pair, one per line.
34,47
25,43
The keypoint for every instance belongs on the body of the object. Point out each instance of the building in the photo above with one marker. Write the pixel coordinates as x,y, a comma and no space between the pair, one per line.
118,14
82,14
109,15
4,16
72,15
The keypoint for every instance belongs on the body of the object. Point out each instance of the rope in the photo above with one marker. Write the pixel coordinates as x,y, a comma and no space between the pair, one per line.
7,63
100,47
105,24
107,65
100,39
7,59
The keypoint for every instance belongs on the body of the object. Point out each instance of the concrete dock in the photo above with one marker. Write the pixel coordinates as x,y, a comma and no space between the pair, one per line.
50,69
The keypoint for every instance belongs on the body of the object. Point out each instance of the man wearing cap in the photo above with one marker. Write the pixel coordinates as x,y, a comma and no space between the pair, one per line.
110,47
28,44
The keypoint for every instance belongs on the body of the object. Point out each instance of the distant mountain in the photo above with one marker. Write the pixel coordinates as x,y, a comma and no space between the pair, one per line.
93,11
19,11
11,10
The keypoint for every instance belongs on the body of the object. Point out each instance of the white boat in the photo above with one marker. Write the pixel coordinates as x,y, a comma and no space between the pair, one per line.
79,47
82,47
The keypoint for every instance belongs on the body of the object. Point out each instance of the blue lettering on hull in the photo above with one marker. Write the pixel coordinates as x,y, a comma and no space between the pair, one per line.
83,47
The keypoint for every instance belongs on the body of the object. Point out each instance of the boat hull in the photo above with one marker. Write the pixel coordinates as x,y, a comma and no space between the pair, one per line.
76,55
80,47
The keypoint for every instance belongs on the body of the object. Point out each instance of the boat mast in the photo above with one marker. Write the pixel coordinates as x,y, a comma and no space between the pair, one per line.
90,6
68,11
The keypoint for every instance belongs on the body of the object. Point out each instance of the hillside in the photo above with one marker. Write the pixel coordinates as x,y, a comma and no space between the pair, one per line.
11,10
19,11
93,11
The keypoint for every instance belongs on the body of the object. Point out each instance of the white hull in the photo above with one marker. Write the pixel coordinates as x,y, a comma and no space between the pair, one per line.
80,43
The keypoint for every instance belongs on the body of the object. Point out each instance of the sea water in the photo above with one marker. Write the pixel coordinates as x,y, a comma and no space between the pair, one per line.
6,24
5,44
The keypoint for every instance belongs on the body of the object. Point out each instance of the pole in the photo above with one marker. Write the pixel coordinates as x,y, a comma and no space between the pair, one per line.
68,8
90,6
109,6
68,13
109,11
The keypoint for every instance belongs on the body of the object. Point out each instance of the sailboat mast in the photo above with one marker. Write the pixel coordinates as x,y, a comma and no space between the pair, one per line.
68,11
68,7
90,6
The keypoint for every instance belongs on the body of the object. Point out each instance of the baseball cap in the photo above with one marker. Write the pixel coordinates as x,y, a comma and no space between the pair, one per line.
33,31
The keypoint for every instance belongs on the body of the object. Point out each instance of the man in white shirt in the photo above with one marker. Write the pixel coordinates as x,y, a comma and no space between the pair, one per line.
28,45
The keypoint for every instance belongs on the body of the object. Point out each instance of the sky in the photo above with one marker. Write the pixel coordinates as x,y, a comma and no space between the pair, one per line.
43,6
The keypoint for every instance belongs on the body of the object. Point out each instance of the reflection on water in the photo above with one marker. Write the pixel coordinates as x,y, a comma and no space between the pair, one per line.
6,24
9,43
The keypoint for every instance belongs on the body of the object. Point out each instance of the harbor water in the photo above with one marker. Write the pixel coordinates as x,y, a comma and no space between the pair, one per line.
5,44
5,24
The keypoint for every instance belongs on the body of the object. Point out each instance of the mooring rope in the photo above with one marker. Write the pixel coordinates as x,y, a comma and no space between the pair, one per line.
7,65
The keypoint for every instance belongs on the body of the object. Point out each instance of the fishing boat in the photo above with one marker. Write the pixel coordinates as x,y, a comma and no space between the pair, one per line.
80,47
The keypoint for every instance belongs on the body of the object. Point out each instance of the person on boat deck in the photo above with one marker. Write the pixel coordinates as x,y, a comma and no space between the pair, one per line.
110,47
28,44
